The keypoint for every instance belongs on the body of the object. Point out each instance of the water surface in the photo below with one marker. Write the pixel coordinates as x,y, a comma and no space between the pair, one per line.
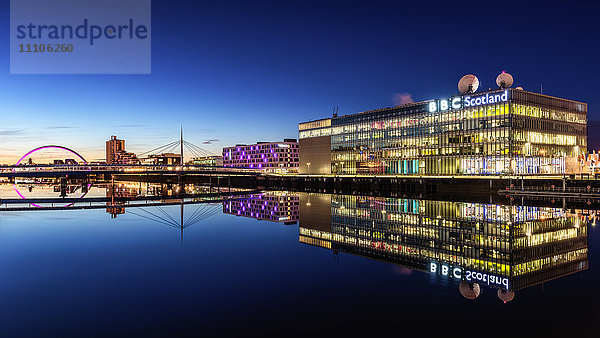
224,273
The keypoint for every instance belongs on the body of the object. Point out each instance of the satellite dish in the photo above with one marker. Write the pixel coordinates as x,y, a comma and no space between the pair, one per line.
519,88
468,84
506,295
469,290
504,80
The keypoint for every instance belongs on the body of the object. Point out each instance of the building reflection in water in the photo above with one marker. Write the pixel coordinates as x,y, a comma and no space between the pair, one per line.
276,206
120,192
478,245
115,208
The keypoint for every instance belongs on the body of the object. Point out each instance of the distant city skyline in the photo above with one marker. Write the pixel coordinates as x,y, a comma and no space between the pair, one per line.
249,72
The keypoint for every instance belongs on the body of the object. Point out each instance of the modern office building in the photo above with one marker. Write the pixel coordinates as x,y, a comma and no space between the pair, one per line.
509,247
277,206
164,159
276,157
208,161
503,131
116,154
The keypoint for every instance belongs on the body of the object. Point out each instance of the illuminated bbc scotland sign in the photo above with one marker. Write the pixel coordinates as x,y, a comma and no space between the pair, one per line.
456,272
467,101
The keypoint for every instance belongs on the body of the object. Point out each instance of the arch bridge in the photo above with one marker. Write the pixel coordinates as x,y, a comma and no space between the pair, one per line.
79,166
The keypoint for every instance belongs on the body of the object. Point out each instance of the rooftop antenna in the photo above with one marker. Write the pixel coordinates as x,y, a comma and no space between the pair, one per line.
334,111
504,80
468,84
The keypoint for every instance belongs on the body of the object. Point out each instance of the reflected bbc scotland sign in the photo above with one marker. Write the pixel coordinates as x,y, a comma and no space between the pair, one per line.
456,272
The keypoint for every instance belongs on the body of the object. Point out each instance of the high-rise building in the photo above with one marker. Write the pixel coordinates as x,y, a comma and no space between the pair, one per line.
278,157
502,131
116,154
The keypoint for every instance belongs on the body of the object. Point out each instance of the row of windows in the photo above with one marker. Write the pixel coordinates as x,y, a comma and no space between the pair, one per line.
548,126
261,147
258,159
261,165
260,152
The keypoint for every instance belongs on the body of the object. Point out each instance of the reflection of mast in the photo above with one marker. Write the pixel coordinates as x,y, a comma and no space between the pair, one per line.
159,215
181,221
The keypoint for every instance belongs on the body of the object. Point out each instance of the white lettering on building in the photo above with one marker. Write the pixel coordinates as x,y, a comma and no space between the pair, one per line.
470,276
468,101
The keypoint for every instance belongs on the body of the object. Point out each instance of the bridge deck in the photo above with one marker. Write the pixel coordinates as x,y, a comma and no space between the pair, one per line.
100,169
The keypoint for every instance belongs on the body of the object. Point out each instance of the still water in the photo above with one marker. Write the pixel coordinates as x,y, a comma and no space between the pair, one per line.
298,264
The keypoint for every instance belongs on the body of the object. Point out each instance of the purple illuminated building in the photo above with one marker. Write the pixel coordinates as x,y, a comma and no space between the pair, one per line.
276,206
276,157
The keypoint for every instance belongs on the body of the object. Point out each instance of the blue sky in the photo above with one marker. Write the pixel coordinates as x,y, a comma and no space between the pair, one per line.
249,71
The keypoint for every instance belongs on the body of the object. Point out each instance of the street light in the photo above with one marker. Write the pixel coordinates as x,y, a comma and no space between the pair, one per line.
308,165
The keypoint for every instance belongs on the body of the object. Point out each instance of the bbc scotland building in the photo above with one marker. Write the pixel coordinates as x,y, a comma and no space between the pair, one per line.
496,132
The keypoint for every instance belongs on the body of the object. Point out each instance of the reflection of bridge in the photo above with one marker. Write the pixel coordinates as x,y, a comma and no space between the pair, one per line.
202,206
18,204
147,207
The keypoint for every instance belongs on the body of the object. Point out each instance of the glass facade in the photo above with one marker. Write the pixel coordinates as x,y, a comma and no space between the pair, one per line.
504,131
516,246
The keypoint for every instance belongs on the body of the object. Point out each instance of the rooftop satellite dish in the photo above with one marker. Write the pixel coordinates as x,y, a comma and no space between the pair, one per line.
519,88
468,84
504,80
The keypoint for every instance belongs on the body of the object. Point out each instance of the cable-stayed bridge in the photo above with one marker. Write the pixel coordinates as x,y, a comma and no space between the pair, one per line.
59,161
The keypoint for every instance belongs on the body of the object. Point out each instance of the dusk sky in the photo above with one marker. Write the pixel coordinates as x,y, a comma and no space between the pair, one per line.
248,71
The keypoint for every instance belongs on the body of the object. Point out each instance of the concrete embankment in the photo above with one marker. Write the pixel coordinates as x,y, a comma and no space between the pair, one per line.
425,185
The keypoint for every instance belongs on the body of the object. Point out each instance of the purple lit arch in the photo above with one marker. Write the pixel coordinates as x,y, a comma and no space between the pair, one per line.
52,146
47,147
